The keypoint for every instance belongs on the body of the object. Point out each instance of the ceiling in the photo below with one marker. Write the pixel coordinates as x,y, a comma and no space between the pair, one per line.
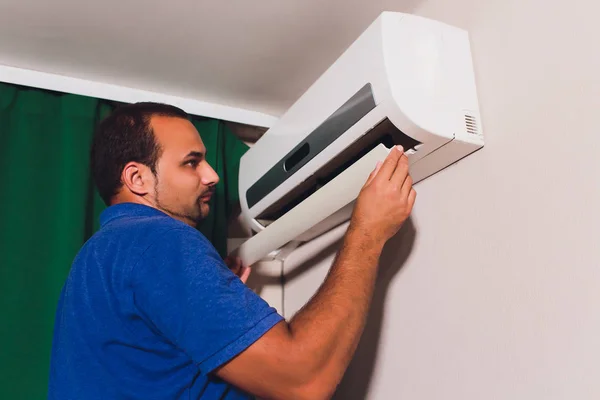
259,55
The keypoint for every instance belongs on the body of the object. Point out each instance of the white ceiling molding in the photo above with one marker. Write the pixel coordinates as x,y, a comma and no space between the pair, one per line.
107,91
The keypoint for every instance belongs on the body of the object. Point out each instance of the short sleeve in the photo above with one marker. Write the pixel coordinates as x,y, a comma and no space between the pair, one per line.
183,287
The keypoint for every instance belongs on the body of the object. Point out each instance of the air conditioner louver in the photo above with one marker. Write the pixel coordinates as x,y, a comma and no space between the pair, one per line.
471,123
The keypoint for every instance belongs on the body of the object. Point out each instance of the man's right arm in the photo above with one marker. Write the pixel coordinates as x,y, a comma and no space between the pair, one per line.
307,357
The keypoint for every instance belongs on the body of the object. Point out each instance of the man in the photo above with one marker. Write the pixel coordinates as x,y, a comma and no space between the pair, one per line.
150,311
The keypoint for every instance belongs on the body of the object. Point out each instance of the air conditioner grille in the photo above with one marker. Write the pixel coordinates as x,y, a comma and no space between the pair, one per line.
472,125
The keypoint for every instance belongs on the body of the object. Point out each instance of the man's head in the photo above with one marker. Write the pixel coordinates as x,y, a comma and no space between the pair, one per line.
151,154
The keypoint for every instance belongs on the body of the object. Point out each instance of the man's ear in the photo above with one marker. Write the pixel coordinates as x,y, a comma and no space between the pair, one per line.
137,178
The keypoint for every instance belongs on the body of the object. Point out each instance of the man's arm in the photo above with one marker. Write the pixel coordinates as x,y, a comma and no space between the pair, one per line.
307,357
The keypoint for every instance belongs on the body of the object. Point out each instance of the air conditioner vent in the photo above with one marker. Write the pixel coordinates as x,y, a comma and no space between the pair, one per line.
472,125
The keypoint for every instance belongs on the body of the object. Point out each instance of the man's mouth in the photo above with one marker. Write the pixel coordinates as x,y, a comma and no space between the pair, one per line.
207,196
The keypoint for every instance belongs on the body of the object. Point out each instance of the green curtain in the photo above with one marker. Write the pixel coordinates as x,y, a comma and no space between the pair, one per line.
49,208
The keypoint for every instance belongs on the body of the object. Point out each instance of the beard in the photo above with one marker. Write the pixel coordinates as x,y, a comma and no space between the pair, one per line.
193,213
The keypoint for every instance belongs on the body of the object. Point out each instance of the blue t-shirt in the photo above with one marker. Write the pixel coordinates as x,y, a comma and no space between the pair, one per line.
148,311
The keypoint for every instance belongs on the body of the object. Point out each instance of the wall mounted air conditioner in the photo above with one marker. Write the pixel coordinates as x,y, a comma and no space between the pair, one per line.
406,80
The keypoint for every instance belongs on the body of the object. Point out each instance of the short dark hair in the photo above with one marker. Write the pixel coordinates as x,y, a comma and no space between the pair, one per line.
124,136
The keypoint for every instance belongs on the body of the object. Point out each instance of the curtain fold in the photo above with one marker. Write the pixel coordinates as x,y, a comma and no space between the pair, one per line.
49,208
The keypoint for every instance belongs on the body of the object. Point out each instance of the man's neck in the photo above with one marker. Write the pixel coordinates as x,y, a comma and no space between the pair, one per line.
143,201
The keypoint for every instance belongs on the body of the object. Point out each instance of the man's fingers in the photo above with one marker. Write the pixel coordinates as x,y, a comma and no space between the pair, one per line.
390,162
239,265
411,198
245,274
406,187
401,172
234,264
373,174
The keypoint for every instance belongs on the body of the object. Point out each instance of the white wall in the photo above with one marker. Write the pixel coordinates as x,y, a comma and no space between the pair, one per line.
498,290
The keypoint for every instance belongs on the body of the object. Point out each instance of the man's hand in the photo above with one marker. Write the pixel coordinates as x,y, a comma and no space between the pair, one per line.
236,266
386,200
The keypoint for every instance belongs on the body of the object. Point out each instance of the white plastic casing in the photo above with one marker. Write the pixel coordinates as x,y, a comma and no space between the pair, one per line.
422,80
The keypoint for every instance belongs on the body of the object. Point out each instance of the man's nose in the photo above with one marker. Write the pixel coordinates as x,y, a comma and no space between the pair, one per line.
208,175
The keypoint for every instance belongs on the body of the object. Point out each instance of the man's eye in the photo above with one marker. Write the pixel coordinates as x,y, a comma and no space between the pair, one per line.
193,163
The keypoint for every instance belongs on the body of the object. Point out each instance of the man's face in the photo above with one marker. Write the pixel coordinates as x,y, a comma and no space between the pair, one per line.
185,181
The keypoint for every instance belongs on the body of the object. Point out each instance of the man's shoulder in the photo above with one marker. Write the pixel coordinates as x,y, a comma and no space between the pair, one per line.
136,234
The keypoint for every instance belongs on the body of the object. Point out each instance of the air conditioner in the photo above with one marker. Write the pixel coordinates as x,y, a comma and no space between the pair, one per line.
406,80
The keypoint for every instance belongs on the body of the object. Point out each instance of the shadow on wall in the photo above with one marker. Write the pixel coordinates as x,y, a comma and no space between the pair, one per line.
356,381
258,280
